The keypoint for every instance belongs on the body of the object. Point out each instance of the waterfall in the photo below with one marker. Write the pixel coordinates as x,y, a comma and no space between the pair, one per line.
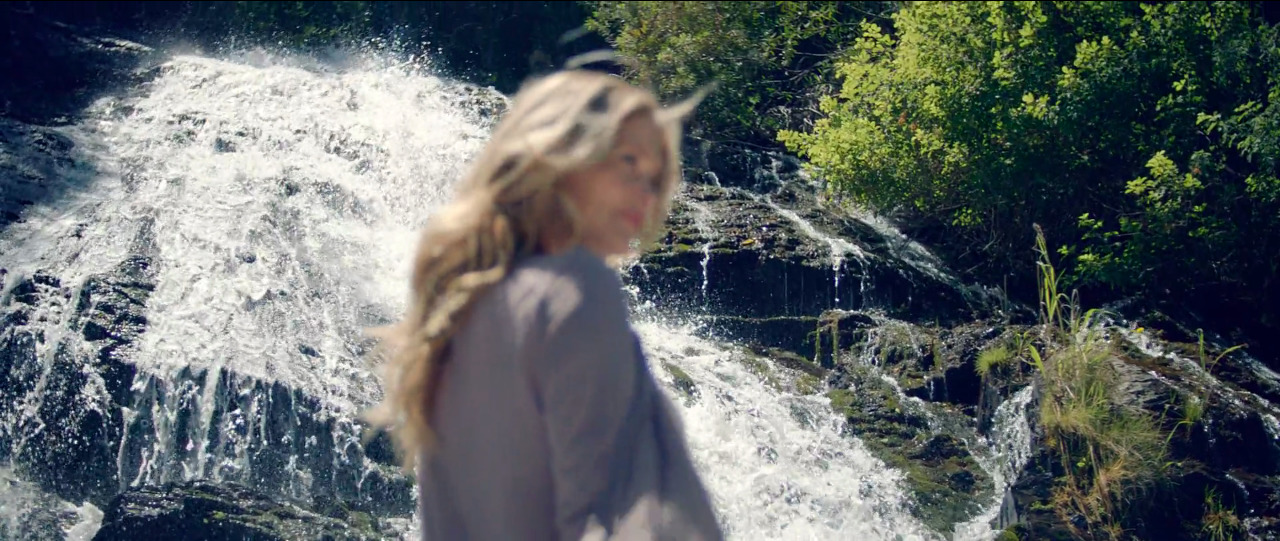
259,213
702,220
839,247
1010,449
274,204
775,462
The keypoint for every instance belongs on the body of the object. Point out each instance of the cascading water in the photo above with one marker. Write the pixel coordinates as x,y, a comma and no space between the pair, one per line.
272,206
26,512
702,219
776,463
839,247
1010,449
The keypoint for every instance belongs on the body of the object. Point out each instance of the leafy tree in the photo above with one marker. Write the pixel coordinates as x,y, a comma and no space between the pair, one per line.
771,59
1147,131
303,23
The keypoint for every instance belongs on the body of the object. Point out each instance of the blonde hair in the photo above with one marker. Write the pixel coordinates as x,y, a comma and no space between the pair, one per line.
506,204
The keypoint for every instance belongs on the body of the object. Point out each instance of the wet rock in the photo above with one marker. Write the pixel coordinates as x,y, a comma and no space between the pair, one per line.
762,262
1222,459
683,383
487,103
814,338
945,481
49,71
209,511
72,397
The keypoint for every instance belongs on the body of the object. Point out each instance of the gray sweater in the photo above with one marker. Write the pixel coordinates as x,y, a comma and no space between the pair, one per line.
549,424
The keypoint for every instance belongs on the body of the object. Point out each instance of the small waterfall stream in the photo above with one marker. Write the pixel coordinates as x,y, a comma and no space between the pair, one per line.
702,220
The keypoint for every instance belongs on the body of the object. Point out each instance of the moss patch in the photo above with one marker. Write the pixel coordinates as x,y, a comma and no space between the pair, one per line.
842,401
945,482
758,366
683,383
808,384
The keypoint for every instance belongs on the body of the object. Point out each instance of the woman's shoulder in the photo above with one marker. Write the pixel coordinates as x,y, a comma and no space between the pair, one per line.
569,279
571,296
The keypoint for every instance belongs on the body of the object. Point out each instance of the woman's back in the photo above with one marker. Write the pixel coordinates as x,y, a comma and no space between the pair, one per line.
548,422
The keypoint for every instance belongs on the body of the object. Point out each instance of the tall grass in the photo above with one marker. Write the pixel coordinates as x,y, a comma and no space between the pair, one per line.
1109,453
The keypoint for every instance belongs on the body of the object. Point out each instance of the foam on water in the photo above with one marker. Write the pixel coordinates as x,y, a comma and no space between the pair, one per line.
26,512
776,464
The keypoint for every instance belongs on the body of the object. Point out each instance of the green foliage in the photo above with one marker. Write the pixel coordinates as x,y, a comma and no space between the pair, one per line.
770,58
841,400
806,384
993,358
1108,453
1220,522
1205,363
1194,404
1192,412
1151,129
303,23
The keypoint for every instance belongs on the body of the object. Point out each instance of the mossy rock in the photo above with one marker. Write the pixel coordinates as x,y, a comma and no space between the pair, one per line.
1008,534
808,384
842,401
683,383
758,366
945,482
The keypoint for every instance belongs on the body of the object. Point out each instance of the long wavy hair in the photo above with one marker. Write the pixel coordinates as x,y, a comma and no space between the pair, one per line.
508,201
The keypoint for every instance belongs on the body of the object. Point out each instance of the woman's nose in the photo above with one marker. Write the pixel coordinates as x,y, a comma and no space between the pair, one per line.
651,168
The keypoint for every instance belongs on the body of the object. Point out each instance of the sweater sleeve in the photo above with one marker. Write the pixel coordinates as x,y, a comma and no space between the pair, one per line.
585,379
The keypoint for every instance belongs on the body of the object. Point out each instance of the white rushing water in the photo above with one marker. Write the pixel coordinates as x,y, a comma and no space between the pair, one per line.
26,512
776,463
283,198
702,220
1010,449
839,247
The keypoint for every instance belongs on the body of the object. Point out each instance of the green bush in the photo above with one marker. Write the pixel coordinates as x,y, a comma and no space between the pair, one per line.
1150,132
771,59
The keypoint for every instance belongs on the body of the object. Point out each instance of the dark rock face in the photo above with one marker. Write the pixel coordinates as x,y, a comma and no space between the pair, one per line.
58,403
1228,454
209,511
49,71
32,160
761,263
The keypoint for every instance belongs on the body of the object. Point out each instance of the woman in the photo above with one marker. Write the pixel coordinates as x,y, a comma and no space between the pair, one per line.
515,382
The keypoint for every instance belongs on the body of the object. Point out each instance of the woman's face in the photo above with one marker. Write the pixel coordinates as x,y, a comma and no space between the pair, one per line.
615,197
